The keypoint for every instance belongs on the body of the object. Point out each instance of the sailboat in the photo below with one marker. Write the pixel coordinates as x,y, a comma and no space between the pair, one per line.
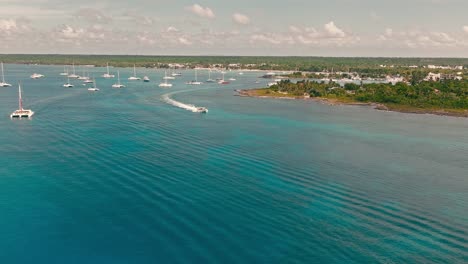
118,85
68,84
195,82
73,75
174,74
165,83
83,77
94,88
108,75
146,79
222,81
134,77
209,78
65,71
3,83
168,77
20,113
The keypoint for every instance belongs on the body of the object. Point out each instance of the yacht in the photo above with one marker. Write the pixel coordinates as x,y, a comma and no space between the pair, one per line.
94,88
108,75
36,76
3,83
195,82
232,79
65,71
146,79
134,77
68,84
203,110
118,85
21,113
209,78
88,80
73,75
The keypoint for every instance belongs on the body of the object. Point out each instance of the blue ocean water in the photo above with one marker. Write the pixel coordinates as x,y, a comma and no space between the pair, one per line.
120,176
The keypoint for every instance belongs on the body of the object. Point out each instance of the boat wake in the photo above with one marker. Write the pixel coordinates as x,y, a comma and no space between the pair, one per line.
189,107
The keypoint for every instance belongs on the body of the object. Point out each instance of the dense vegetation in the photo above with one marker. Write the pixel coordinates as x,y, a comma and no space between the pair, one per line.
362,65
446,94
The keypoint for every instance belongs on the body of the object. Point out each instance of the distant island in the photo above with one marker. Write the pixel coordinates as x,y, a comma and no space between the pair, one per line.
442,97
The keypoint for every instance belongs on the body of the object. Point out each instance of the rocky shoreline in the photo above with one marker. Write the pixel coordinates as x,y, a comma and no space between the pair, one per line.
377,106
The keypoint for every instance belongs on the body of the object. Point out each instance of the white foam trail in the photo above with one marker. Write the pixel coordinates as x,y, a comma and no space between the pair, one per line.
166,98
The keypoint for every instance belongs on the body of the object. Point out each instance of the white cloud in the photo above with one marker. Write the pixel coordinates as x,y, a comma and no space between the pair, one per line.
172,29
465,29
333,30
241,19
184,41
201,11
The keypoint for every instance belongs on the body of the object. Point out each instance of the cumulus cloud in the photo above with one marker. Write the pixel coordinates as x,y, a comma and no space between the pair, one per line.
172,29
334,31
201,11
14,26
241,19
416,39
184,41
465,29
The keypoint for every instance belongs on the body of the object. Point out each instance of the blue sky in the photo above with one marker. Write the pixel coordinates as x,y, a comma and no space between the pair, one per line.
294,27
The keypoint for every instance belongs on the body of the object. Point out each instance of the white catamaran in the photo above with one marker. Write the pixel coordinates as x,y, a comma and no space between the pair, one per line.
21,113
134,77
108,75
118,85
3,83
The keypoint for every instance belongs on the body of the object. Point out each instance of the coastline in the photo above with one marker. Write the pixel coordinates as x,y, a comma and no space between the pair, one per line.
259,93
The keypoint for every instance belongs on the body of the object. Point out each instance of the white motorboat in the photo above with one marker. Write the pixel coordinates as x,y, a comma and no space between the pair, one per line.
36,76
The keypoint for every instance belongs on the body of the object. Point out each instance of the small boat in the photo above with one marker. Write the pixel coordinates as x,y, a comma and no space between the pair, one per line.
21,113
108,75
232,79
118,85
65,71
203,110
94,88
165,84
209,78
168,77
134,77
36,76
73,75
222,81
3,83
195,82
146,79
88,81
241,73
175,74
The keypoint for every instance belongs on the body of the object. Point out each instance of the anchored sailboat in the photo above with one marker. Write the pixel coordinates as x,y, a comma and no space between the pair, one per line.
195,82
108,75
3,83
21,113
165,84
134,77
118,85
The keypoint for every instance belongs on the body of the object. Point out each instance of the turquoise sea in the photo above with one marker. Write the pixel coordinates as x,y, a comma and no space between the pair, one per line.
121,176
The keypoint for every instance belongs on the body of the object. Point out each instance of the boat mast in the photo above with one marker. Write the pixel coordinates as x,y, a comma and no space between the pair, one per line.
107,68
20,99
118,77
3,75
196,75
134,70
